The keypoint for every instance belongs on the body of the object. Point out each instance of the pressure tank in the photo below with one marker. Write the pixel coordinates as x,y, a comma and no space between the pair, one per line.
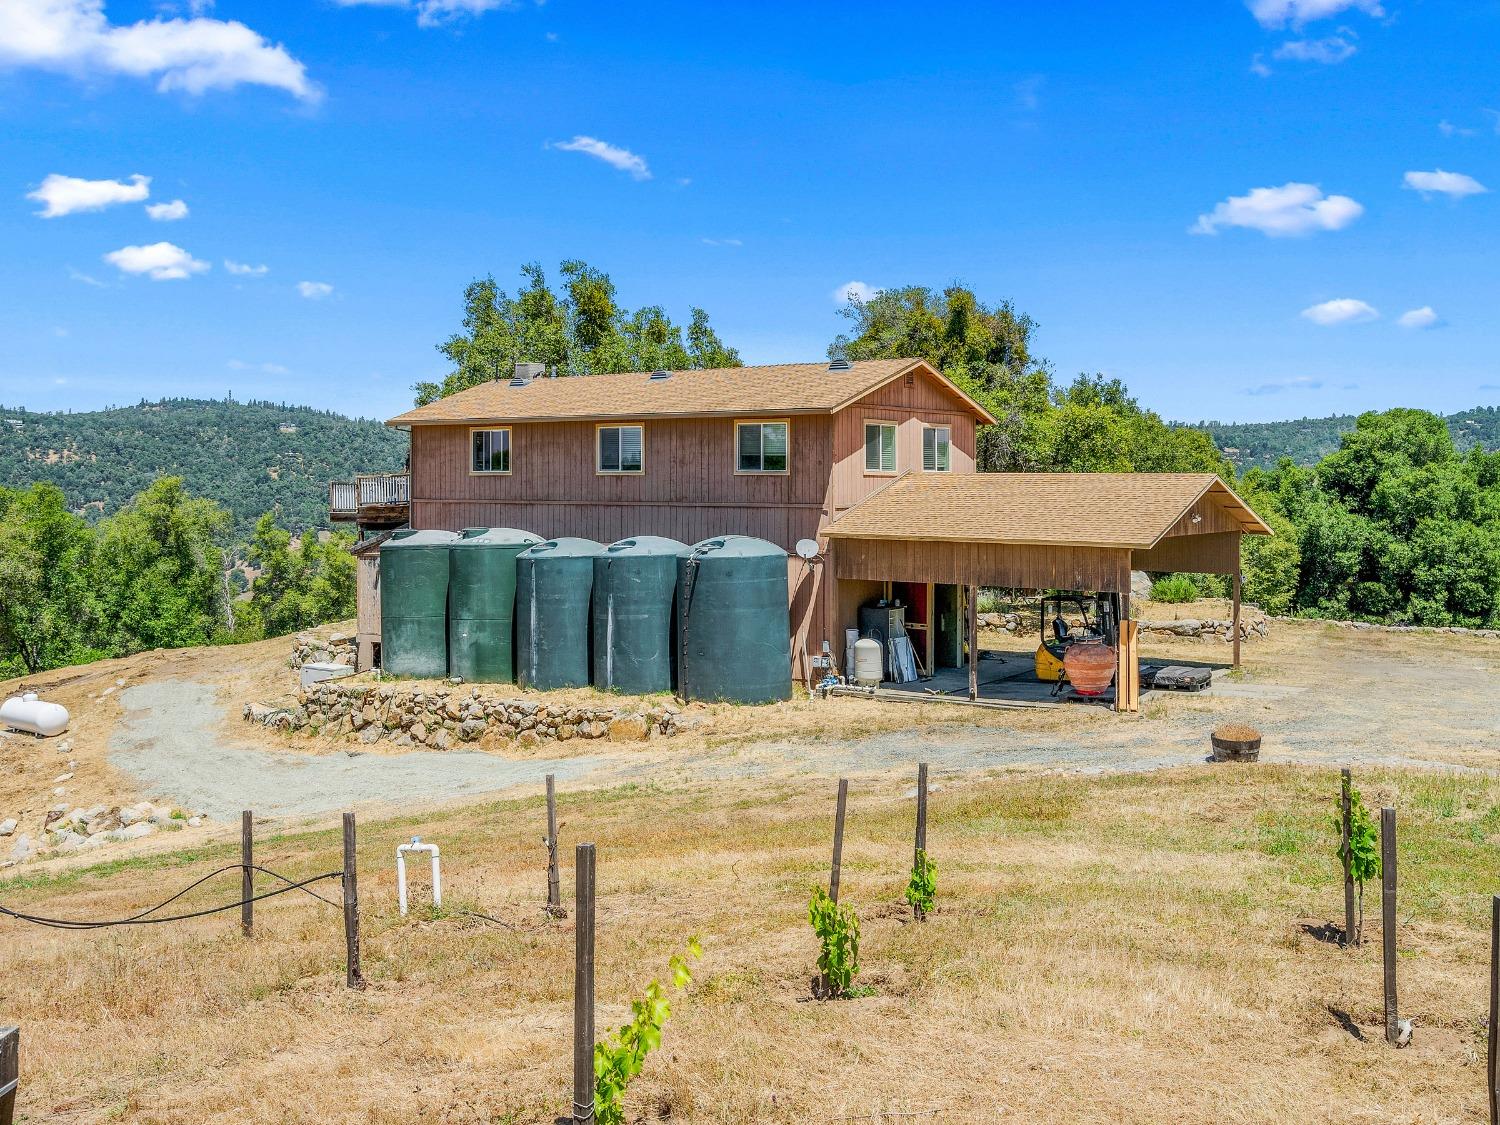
869,662
482,603
414,603
733,621
554,584
635,583
32,715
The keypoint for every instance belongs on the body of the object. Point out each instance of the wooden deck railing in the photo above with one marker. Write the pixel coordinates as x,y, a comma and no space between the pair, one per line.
383,488
341,498
372,494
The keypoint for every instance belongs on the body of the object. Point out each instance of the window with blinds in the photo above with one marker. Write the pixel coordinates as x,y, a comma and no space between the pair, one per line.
622,449
880,447
761,447
935,442
491,451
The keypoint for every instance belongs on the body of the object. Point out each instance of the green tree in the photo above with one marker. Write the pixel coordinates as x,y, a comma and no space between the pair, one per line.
580,329
159,569
298,587
48,612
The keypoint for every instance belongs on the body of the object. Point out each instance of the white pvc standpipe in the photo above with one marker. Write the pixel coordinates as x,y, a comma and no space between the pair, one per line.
416,845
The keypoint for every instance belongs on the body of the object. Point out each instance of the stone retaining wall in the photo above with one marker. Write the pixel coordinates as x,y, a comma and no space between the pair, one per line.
309,648
1491,634
439,719
1252,626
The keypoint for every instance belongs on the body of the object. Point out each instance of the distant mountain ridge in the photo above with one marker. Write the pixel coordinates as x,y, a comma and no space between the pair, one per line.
1308,440
252,457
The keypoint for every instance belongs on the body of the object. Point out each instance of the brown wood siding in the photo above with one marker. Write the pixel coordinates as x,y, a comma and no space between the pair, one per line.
1213,519
1213,553
912,408
984,564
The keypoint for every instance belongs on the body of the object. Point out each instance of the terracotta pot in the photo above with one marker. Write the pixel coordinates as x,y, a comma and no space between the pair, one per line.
1090,666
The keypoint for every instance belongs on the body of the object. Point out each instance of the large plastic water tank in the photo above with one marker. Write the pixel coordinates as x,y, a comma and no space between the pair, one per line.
414,603
554,584
635,583
482,603
734,626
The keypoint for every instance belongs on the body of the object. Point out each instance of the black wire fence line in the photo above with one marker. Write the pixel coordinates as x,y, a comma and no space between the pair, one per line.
144,918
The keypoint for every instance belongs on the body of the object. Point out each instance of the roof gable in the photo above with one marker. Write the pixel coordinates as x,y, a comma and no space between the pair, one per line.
791,388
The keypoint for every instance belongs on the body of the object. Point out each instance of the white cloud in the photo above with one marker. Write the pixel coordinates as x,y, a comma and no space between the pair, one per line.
314,290
723,242
613,155
1455,185
856,291
161,261
194,55
86,279
1289,210
167,212
240,269
265,368
1344,310
1334,49
1425,317
1300,383
433,13
1448,129
1258,67
65,195
1280,13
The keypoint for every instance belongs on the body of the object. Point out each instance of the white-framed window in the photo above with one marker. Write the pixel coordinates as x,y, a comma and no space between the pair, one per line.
490,450
761,447
935,449
880,447
621,449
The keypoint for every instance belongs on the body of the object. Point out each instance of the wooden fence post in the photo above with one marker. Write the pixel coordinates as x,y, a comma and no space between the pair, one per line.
1346,809
247,876
1388,916
583,985
1492,1070
10,1072
352,977
554,887
838,840
921,846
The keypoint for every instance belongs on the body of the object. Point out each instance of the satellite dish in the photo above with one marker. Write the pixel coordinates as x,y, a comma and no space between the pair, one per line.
807,549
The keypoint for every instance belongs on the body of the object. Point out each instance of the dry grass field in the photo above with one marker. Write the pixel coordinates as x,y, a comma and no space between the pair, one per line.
1137,948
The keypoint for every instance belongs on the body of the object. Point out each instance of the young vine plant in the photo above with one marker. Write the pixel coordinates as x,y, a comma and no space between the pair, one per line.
1363,855
619,1058
921,890
837,928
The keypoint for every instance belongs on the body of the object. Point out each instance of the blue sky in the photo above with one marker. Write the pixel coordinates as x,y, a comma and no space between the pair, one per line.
1097,163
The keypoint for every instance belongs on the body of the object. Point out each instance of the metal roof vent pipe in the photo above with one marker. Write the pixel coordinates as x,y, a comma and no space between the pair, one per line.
526,372
659,374
839,363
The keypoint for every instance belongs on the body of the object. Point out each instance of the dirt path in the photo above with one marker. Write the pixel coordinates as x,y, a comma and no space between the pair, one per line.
169,741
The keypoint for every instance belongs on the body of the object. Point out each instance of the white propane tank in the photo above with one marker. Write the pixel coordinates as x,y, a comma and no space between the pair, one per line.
30,714
869,665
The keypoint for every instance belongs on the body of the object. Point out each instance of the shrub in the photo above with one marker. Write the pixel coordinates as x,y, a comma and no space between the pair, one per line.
1364,852
619,1058
837,928
921,890
1174,588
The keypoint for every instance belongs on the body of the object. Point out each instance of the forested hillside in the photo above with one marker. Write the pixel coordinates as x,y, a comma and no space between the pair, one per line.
1259,445
251,457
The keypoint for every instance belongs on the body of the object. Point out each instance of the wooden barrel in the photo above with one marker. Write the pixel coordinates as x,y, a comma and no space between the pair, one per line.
1235,749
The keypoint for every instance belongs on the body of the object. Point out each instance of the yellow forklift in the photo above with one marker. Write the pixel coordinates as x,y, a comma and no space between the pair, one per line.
1068,619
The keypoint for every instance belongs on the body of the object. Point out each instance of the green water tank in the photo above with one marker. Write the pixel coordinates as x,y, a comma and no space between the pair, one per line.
414,603
635,587
482,603
733,622
554,586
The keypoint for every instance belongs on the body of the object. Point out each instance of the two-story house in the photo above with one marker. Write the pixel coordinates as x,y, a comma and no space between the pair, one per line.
782,453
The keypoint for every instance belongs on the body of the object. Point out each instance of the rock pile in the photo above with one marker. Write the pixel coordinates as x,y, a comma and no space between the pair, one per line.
1251,628
1489,634
78,829
439,719
335,648
1008,622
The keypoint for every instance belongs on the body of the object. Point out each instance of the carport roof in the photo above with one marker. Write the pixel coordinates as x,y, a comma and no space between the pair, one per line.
1122,510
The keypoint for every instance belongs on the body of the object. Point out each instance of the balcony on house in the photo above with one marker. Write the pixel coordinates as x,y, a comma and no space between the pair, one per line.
373,501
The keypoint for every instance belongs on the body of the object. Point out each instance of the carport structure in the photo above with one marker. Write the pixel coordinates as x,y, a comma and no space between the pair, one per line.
1082,532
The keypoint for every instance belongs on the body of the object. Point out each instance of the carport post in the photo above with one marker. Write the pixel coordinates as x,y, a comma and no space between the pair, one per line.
1236,626
10,1072
973,643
